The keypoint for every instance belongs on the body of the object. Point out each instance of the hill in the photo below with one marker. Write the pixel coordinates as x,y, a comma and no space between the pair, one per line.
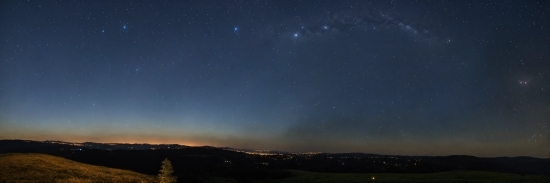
449,177
46,168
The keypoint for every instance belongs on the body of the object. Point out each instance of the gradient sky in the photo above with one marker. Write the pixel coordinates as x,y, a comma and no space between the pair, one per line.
398,77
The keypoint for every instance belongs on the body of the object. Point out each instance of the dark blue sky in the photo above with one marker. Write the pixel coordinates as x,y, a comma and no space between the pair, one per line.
399,77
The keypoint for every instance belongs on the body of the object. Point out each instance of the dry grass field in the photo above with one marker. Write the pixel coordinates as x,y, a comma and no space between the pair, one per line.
46,168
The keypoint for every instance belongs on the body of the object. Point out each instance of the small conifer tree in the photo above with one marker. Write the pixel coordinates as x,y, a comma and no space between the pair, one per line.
165,175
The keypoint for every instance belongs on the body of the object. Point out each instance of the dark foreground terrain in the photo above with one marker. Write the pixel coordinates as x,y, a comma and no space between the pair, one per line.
30,167
457,176
207,164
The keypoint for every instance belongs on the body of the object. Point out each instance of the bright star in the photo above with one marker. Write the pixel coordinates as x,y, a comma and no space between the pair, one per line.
236,29
295,34
124,27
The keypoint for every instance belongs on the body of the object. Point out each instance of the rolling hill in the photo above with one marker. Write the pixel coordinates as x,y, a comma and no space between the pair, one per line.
46,168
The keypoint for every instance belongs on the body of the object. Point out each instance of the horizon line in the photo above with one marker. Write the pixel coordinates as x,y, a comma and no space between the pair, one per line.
320,152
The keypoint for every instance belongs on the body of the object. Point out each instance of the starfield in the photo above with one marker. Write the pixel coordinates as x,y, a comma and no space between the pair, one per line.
290,88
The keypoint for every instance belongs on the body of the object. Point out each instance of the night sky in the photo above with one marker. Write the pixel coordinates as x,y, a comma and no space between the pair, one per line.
389,77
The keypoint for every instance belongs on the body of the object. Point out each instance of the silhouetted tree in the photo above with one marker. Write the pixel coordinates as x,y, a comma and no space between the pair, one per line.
165,175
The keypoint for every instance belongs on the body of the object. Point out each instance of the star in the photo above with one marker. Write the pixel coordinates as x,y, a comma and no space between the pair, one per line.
522,82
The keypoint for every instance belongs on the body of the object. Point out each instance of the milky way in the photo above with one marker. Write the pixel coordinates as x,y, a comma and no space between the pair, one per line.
400,77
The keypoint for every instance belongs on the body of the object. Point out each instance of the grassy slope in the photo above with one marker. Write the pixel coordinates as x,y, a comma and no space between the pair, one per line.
449,177
46,168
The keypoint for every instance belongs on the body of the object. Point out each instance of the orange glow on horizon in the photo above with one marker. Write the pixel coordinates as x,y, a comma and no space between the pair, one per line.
121,140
